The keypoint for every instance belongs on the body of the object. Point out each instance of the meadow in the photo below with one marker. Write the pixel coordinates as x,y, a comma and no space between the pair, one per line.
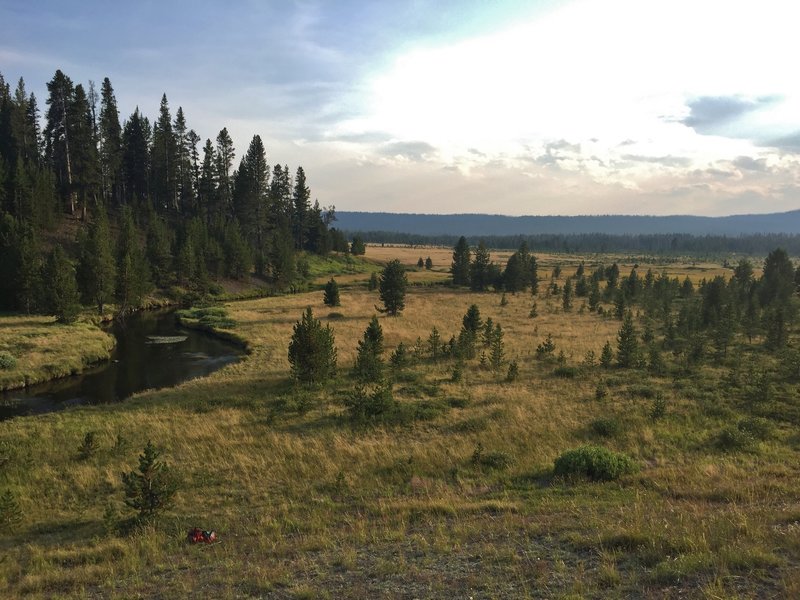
455,497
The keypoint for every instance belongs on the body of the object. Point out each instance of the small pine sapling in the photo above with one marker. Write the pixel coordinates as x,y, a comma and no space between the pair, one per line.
331,294
152,488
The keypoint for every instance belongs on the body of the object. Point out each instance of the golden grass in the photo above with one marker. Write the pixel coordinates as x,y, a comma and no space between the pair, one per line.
307,506
46,350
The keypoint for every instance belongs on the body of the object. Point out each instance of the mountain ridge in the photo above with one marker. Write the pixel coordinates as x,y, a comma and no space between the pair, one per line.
476,224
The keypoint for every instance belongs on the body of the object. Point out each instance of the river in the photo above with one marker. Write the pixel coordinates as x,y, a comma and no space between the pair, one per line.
152,352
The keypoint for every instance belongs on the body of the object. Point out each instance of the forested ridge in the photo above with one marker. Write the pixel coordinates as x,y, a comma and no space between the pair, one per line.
154,207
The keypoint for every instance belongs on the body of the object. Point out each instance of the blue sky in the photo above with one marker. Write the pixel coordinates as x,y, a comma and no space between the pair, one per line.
560,107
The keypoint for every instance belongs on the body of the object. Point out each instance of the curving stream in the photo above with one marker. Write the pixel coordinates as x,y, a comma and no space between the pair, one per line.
151,352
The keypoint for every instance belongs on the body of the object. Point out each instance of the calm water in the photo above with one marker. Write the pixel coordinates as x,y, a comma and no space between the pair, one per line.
139,362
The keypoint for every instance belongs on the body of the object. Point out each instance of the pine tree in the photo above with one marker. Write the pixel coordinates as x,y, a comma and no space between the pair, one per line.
61,296
208,205
331,295
566,298
158,248
163,161
357,247
428,263
184,170
133,279
95,272
627,343
460,268
110,144
250,198
533,274
497,356
136,159
301,195
435,344
369,357
393,283
594,295
57,135
312,353
777,282
607,355
224,163
152,488
26,266
479,269
472,319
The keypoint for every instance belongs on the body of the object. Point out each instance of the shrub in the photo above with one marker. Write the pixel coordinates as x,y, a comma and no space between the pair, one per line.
152,488
10,512
7,360
659,408
365,407
513,371
606,427
372,285
458,372
89,446
490,460
733,438
566,372
756,427
546,349
595,463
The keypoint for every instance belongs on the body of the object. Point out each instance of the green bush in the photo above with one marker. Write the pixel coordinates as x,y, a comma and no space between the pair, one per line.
490,460
733,438
10,512
566,372
607,427
758,428
375,407
595,463
7,360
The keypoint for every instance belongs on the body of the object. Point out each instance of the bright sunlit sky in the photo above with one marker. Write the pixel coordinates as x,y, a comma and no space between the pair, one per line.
510,107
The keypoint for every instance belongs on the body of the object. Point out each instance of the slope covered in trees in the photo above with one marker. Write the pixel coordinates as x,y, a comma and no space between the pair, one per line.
154,209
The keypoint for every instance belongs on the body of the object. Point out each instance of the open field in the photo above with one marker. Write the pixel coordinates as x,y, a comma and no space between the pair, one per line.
458,500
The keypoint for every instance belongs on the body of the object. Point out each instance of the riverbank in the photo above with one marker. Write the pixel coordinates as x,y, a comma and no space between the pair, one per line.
37,349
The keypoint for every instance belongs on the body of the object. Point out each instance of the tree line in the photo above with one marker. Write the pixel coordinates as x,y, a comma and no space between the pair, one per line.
153,206
676,244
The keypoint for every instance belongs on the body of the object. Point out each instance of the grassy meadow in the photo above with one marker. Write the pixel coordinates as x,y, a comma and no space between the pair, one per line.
41,349
456,499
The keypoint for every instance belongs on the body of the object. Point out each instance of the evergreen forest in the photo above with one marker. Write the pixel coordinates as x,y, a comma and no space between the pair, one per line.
121,207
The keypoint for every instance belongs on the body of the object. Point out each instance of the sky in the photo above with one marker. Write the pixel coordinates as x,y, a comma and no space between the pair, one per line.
445,106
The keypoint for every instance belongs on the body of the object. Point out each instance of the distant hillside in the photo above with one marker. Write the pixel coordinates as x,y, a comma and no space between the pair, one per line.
498,225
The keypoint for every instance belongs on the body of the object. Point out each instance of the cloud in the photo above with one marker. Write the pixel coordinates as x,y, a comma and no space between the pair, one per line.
708,115
563,145
748,163
414,151
789,143
363,137
666,161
